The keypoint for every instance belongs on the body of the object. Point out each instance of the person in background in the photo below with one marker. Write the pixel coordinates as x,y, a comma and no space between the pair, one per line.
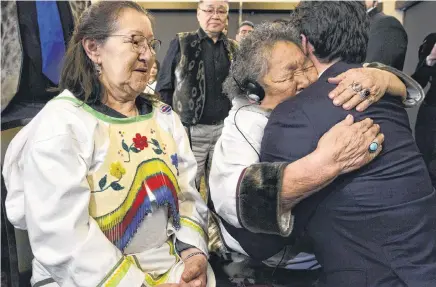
245,28
425,129
151,85
191,77
387,42
115,203
34,39
375,226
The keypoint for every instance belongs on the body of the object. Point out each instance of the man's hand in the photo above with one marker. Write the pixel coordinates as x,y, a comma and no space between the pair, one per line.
195,273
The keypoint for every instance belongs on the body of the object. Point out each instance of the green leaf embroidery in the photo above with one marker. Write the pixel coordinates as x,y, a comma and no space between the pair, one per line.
116,186
102,182
125,147
157,151
155,142
134,149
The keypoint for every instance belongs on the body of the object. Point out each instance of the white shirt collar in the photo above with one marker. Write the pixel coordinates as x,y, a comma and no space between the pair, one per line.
333,62
320,74
370,9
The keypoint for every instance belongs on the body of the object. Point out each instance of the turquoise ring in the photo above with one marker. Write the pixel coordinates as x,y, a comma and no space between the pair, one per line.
373,147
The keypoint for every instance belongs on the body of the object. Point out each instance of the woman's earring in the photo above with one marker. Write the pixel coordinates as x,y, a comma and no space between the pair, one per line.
97,68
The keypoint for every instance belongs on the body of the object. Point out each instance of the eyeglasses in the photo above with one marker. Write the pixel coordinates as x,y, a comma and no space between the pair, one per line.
211,12
140,43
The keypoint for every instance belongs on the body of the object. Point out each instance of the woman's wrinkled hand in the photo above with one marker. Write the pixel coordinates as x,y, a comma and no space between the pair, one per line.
374,80
195,273
346,145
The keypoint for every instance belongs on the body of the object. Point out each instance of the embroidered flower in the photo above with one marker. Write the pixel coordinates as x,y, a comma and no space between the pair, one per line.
117,170
174,160
140,142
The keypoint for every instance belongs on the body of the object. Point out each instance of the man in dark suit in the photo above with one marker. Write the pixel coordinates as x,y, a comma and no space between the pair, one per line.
387,42
375,226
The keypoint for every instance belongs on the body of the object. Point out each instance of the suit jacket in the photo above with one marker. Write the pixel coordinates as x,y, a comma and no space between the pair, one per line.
387,41
372,227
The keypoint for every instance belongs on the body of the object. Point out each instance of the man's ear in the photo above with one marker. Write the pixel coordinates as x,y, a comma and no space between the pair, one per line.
198,14
307,47
91,48
304,44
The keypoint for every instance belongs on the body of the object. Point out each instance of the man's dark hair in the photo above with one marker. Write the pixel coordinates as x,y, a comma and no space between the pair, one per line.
246,23
336,29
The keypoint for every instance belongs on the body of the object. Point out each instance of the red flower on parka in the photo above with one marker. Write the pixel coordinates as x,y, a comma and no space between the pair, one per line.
140,141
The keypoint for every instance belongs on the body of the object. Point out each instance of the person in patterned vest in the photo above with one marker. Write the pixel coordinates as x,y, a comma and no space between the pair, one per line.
191,77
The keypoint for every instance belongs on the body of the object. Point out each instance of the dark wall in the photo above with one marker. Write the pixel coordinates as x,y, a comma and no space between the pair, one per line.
419,21
167,24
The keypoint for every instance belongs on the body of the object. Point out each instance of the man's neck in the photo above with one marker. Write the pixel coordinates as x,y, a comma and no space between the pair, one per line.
321,67
213,36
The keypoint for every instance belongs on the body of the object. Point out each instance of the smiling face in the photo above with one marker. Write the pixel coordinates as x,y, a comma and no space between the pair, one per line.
212,16
289,72
125,69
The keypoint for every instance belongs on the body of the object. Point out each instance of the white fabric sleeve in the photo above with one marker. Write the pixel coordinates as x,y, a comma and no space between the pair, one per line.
64,238
233,154
193,210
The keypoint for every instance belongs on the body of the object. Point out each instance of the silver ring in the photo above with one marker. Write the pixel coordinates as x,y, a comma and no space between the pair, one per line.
364,93
356,87
373,147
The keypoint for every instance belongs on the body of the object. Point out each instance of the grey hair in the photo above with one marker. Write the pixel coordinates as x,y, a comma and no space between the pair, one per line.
251,60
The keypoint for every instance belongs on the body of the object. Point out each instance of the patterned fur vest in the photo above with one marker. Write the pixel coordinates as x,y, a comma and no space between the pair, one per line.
190,90
12,46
